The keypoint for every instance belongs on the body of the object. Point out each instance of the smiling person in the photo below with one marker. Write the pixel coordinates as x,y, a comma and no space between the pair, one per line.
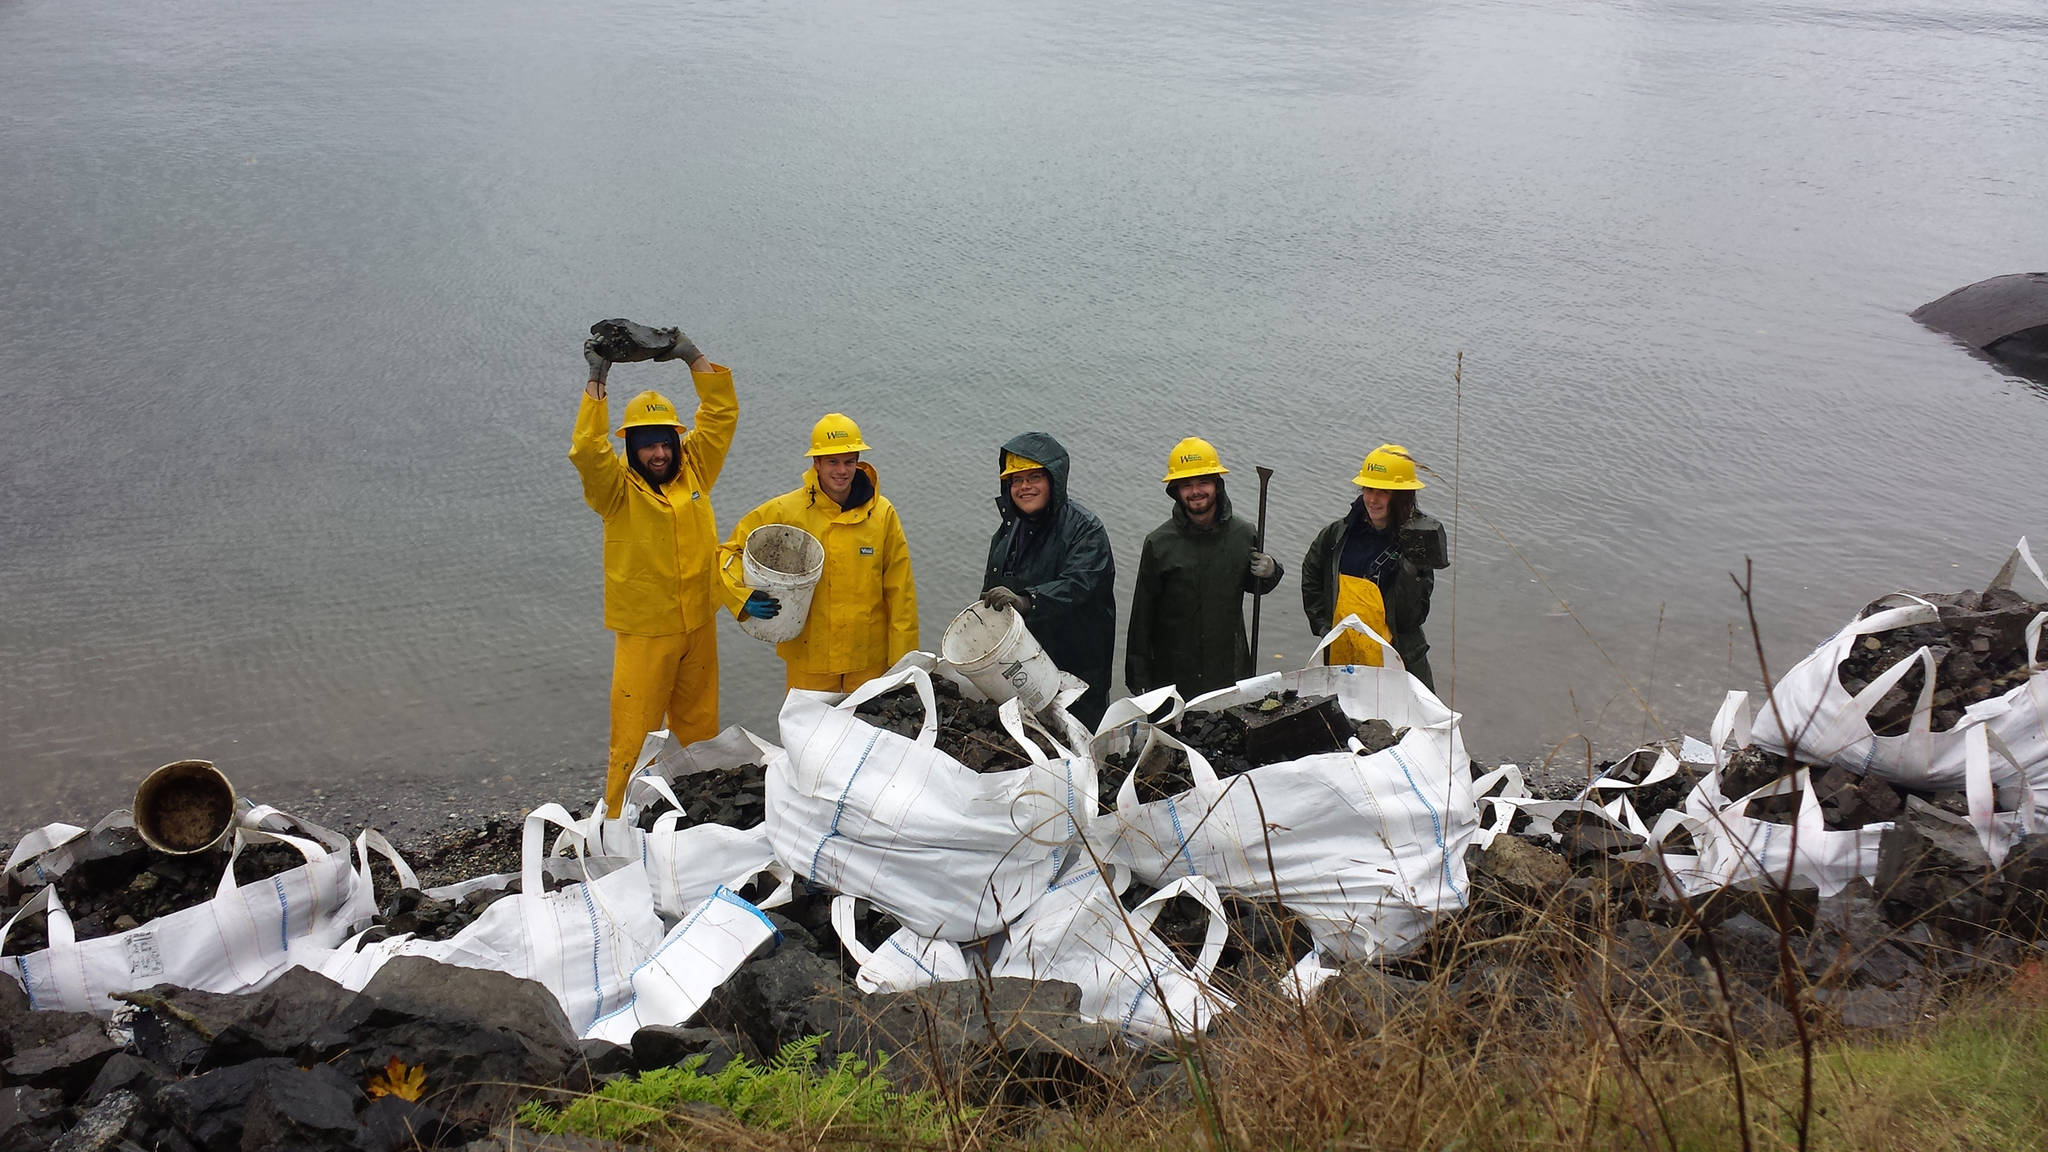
1378,563
863,614
1051,561
660,542
1187,613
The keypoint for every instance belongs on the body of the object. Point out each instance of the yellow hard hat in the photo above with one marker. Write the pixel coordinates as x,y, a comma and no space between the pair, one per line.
1388,466
1013,464
834,434
1193,456
649,410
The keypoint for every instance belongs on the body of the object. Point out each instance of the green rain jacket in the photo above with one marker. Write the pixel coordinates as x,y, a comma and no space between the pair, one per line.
1406,588
1064,564
1187,614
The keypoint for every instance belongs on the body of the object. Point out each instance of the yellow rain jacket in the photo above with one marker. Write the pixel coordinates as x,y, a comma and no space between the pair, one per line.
864,609
659,546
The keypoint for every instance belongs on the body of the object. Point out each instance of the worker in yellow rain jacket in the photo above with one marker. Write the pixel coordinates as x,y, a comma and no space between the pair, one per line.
660,551
1378,563
863,613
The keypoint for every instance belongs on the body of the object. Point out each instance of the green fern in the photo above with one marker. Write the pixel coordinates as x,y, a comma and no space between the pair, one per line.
790,1093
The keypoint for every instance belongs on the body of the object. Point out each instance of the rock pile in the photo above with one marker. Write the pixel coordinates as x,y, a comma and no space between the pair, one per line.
1980,651
970,731
735,797
116,882
1278,727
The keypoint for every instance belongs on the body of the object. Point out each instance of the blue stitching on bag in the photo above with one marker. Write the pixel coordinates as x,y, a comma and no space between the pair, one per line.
1131,1009
21,962
840,809
921,965
590,912
720,893
284,925
1435,823
1180,837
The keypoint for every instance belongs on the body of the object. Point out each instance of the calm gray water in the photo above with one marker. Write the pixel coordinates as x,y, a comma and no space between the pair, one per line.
291,295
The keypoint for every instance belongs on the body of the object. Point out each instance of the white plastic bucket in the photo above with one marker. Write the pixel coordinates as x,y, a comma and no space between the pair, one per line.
785,562
998,655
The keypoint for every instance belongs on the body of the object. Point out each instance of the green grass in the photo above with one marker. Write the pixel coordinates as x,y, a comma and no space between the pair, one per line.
847,1098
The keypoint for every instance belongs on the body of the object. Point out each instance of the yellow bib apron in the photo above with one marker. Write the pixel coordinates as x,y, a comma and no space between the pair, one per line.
1360,597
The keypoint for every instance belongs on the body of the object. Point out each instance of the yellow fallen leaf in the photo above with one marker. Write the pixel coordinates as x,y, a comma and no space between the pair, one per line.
405,1081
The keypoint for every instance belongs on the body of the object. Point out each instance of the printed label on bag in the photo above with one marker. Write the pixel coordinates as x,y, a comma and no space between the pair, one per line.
143,958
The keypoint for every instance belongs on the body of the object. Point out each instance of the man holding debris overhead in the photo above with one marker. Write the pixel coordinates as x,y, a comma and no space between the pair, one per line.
660,541
863,614
1050,560
1187,613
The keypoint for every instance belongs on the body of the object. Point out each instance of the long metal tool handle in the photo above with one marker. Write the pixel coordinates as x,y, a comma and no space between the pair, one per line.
1265,478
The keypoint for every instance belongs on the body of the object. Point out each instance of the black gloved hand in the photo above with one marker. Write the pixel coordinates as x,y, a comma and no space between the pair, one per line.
625,342
598,364
1000,598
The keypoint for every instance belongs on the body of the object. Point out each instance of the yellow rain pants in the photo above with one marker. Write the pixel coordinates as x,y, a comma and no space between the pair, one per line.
832,681
671,678
1360,597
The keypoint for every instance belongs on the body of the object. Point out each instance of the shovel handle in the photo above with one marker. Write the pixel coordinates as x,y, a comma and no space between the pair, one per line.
1265,478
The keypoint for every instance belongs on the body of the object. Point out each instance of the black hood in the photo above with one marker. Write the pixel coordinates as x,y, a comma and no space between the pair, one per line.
1039,446
1180,512
638,438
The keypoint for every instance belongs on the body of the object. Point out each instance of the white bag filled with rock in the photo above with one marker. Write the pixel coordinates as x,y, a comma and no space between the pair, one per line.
952,853
581,942
1127,974
1366,849
239,941
685,865
700,953
1826,724
1731,846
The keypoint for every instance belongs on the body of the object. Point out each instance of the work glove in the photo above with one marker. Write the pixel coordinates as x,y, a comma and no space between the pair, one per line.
1262,566
598,364
624,342
1000,598
762,606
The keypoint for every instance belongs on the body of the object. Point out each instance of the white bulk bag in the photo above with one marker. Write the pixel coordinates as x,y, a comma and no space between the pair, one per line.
239,941
1829,726
582,942
700,953
684,865
1733,846
903,962
1366,849
952,853
1080,933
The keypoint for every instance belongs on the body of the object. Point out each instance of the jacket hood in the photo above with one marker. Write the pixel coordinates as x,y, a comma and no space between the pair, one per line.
1039,446
866,471
1180,512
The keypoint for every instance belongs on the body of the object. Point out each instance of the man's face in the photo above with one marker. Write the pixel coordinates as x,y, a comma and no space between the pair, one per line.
658,459
1198,496
835,474
1030,490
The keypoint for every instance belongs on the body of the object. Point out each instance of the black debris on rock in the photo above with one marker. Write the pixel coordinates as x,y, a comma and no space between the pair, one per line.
970,731
735,797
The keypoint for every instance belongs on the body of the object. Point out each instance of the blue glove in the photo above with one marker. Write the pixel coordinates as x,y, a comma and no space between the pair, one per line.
762,606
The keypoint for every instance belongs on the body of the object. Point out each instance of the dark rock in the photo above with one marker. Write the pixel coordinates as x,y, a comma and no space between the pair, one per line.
23,1027
126,1072
767,1002
116,882
1291,729
311,1109
209,1107
1931,866
970,731
1848,800
795,935
1009,1016
176,1026
1979,645
1873,1007
605,1058
280,1020
30,1118
393,1123
1748,949
1162,1086
1362,1000
661,1046
67,1064
1515,870
479,1034
1852,945
1764,900
101,1128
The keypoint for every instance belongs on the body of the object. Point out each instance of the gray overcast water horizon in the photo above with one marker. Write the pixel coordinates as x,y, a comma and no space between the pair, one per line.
291,298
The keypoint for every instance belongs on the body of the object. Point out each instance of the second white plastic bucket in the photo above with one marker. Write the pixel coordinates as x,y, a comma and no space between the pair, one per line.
785,562
998,654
